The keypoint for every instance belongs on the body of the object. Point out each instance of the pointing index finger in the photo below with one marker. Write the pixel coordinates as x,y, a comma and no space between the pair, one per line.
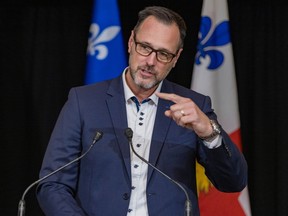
169,96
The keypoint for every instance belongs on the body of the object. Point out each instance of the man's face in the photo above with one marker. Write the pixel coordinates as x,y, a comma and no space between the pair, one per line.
148,69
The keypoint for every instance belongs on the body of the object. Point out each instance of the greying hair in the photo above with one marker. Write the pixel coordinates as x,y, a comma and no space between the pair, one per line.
165,16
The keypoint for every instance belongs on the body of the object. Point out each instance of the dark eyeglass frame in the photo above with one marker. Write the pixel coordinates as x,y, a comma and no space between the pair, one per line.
169,55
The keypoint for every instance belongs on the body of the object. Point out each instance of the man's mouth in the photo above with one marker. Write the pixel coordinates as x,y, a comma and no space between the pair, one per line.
146,73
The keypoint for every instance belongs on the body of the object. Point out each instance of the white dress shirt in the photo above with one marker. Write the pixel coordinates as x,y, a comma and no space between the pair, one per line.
142,123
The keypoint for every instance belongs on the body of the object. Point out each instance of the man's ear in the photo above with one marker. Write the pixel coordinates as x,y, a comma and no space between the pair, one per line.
130,41
177,56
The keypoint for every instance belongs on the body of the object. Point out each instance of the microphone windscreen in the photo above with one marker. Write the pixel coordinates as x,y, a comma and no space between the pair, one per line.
129,133
98,136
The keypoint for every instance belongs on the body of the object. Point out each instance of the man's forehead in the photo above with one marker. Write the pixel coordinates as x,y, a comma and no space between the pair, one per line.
157,33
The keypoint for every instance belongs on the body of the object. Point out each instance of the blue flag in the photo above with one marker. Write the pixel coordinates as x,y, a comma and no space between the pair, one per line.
106,57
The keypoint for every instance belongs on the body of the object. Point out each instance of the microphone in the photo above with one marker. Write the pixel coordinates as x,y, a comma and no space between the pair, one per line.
21,205
188,205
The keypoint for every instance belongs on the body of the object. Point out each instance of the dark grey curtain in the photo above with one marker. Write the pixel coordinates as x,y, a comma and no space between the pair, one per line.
42,55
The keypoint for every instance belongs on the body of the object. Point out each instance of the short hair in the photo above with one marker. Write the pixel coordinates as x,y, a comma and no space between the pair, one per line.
164,15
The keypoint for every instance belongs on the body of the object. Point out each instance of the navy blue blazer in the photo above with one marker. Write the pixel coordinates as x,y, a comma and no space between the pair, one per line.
100,184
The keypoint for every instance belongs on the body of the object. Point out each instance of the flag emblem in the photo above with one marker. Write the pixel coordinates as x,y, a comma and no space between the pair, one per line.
97,38
209,40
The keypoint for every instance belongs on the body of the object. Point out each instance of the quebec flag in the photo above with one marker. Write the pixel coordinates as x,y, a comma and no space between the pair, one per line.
214,75
106,57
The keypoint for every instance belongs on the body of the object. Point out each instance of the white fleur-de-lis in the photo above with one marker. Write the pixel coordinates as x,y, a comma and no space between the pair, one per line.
94,41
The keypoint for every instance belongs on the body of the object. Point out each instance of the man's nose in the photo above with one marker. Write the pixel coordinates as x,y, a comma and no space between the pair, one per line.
152,58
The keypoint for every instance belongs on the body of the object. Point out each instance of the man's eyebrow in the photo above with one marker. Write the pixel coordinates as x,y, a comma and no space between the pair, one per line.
150,45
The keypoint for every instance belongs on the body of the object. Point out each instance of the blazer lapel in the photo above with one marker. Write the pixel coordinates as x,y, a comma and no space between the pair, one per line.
117,109
161,128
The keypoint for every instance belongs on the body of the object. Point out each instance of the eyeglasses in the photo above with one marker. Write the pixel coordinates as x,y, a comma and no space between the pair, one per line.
145,50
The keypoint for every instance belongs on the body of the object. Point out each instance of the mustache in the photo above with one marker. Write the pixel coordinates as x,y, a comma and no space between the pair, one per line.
148,68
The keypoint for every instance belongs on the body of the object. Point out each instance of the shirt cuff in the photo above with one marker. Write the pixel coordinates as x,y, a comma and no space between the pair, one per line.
214,143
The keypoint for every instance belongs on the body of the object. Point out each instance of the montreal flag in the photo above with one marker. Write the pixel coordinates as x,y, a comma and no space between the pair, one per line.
214,75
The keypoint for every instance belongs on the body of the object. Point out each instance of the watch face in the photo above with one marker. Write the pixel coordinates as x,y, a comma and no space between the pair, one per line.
216,131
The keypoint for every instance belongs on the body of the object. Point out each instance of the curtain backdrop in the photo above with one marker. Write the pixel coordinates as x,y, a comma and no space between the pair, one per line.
43,53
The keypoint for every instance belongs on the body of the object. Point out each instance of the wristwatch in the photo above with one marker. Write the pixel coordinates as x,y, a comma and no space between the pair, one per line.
216,131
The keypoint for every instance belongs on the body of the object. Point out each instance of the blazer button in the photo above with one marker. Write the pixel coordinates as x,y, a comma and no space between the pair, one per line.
126,196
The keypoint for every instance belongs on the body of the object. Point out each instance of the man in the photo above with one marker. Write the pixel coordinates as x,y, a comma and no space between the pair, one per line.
172,127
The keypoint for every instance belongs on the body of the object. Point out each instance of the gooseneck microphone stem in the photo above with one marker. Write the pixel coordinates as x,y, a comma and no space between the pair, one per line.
21,205
188,205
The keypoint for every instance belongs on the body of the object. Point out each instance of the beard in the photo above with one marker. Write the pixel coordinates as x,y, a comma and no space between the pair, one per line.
147,82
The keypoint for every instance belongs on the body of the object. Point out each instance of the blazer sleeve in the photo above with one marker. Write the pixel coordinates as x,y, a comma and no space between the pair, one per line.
225,166
56,194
